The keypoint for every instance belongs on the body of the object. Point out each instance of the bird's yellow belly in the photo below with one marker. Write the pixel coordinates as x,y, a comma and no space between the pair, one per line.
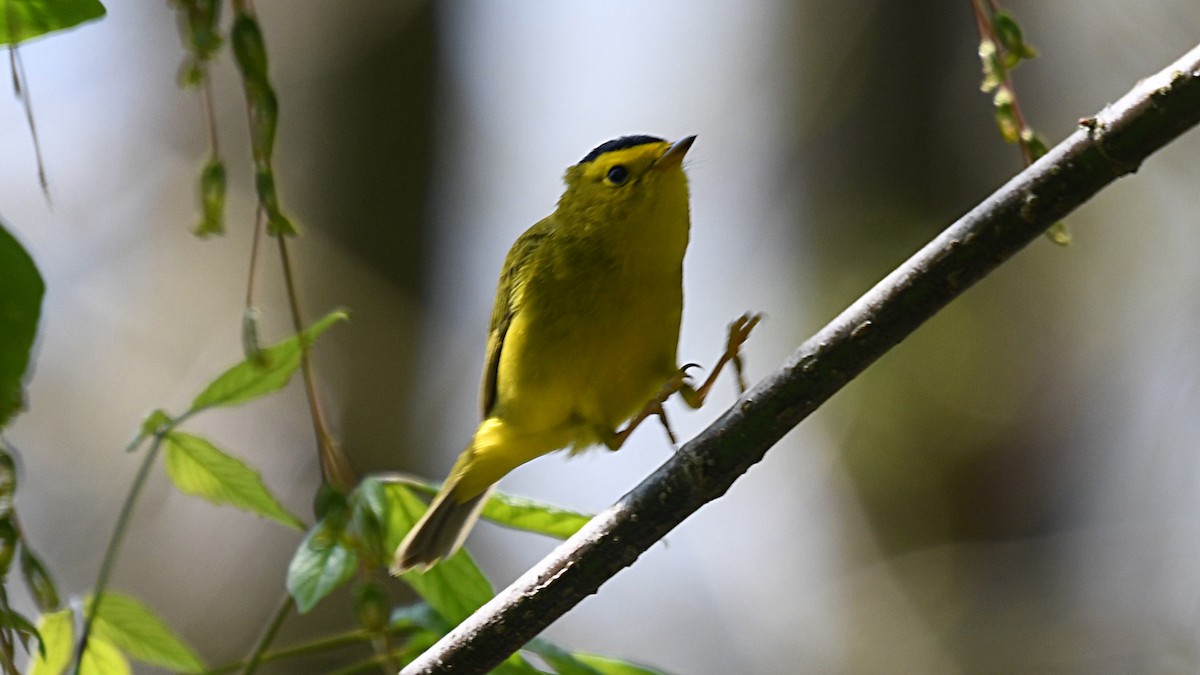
590,367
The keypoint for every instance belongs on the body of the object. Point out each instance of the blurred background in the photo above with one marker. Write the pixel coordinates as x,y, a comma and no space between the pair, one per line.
1014,489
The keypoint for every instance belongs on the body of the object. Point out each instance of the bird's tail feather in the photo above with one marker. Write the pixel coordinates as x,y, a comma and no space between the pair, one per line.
440,532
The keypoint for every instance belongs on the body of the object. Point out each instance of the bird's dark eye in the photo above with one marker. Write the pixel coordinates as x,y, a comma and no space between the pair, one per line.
618,175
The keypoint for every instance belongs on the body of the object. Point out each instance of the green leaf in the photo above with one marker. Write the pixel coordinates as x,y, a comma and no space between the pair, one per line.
22,20
192,73
10,620
57,634
563,661
1008,32
8,545
212,199
250,53
323,562
277,223
41,586
516,665
21,290
155,422
1006,118
533,516
418,615
368,511
519,513
454,587
249,50
102,658
253,378
610,666
8,482
136,630
199,468
200,26
1059,234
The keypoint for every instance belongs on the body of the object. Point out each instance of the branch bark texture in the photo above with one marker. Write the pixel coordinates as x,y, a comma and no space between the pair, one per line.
1111,144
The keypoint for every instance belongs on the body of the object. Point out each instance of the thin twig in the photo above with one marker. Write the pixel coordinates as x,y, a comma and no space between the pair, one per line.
114,545
321,646
21,86
210,115
1113,144
335,468
986,32
268,635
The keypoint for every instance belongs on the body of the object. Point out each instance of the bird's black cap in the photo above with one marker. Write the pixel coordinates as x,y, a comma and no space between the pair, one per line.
620,144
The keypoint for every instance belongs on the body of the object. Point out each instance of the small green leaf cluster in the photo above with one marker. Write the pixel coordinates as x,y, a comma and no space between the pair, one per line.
118,626
20,310
201,33
1002,47
198,467
250,54
361,530
1000,52
198,23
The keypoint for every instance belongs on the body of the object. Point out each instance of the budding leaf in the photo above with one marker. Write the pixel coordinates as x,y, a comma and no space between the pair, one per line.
268,372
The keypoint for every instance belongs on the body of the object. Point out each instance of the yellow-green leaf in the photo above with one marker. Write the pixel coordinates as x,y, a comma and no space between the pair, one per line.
156,421
455,587
131,626
271,371
610,666
22,20
563,661
103,658
197,467
519,513
1006,117
1059,234
212,199
57,631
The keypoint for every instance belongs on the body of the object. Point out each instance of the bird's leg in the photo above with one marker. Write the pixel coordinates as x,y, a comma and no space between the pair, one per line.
739,330
615,439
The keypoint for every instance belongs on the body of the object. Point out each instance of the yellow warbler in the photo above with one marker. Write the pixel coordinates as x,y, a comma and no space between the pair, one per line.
584,330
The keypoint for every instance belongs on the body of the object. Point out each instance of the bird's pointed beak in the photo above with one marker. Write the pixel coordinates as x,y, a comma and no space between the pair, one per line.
674,154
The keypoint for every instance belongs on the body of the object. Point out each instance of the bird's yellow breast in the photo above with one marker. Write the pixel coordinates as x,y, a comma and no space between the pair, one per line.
597,326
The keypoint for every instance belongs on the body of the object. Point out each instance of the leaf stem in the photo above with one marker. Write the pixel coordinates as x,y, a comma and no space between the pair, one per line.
268,636
335,468
114,544
316,647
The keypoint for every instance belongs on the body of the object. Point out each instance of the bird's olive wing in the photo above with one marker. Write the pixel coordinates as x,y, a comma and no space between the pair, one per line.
505,306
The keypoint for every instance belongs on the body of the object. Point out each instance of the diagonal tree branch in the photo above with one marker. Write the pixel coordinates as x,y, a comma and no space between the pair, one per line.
1104,148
